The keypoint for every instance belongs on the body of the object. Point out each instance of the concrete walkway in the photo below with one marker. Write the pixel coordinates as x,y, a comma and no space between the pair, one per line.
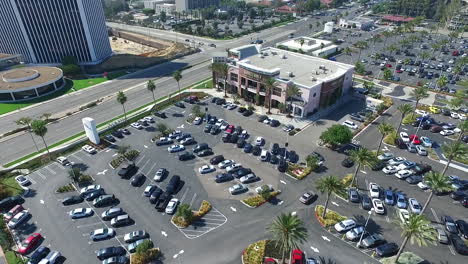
2,257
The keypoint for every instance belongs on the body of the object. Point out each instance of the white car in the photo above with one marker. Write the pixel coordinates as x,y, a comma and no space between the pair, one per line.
447,132
396,161
248,178
197,120
148,119
225,163
148,190
421,150
421,112
404,136
423,186
238,188
403,214
172,205
136,125
219,122
233,167
385,156
426,142
224,126
22,180
101,233
390,169
206,169
64,161
18,219
405,165
349,124
374,190
231,106
378,205
345,225
355,233
259,141
462,116
403,174
454,115
414,206
89,188
80,213
159,174
175,148
88,149
268,187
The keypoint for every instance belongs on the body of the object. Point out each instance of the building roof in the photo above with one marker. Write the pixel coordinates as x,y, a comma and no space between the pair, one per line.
21,78
397,18
310,44
305,70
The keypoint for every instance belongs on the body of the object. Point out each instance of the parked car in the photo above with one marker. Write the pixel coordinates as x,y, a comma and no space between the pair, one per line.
297,257
224,177
401,200
29,243
108,252
389,197
135,236
132,246
366,202
372,241
75,199
138,180
459,245
387,250
80,213
449,223
374,190
111,213
307,197
172,206
345,225
40,253
101,233
379,207
353,195
104,200
121,220
355,233
462,228
238,188
414,206
350,124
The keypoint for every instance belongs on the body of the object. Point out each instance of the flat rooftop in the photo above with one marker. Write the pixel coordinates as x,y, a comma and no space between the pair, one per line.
20,78
306,70
309,43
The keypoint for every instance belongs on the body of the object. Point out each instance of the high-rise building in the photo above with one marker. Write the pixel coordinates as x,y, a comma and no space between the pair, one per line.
44,31
184,5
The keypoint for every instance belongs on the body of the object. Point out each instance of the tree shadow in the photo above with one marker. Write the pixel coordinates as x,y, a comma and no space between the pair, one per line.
81,166
324,260
150,129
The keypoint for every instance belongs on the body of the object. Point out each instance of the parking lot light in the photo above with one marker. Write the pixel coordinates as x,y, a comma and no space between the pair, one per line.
367,221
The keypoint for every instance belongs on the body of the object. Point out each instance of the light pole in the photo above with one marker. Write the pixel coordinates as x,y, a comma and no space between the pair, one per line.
367,221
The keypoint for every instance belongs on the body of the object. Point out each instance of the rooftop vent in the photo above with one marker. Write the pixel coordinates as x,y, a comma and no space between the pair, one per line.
290,74
283,56
313,79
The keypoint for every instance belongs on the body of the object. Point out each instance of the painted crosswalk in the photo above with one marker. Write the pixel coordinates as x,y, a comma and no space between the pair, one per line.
209,222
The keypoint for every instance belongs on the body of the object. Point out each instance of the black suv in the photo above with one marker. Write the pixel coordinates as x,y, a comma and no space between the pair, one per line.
173,184
108,252
186,156
155,195
216,159
138,180
200,147
126,170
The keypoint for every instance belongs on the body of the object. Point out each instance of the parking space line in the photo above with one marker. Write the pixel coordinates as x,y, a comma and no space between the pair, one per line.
32,181
76,157
87,225
146,163
41,175
184,195
193,199
142,157
151,169
50,170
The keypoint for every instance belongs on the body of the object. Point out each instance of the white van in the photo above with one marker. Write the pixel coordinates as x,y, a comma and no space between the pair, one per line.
51,258
264,155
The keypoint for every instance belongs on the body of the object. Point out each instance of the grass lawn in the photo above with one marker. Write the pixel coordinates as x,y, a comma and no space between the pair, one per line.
12,258
11,185
82,84
208,84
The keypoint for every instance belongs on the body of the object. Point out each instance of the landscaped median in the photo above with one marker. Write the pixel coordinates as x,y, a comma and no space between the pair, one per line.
265,195
7,242
185,216
256,252
129,155
331,218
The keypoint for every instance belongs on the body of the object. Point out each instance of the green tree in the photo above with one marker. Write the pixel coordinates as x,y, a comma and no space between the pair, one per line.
270,84
122,150
144,253
387,74
361,45
347,51
148,11
362,157
161,127
463,126
336,135
369,85
70,69
291,91
404,109
454,150
419,93
46,117
39,128
329,184
122,99
177,75
26,121
384,129
151,87
416,229
442,81
438,183
287,231
360,68
185,212
196,111
74,174
162,16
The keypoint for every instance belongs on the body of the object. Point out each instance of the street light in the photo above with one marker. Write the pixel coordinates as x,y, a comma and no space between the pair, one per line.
367,221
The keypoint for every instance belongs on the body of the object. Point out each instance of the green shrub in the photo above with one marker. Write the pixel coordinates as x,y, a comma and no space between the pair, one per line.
405,258
85,178
292,167
66,188
132,154
331,218
410,118
254,253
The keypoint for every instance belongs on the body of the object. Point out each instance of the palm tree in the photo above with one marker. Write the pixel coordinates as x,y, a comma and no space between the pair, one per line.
214,67
122,99
442,81
329,184
347,50
270,84
416,229
177,75
291,91
26,121
362,157
39,128
151,87
287,231
404,109
384,129
361,45
223,71
463,126
46,117
419,93
454,150
438,183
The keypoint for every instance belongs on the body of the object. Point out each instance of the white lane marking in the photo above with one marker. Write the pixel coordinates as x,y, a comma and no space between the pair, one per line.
294,213
184,195
115,154
93,224
335,203
108,150
142,158
41,175
387,219
164,233
41,201
102,172
50,170
145,146
363,172
325,238
144,165
314,249
32,181
281,202
283,182
151,169
193,199
233,209
181,126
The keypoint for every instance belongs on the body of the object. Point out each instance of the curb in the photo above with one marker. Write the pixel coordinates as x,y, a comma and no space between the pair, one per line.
3,259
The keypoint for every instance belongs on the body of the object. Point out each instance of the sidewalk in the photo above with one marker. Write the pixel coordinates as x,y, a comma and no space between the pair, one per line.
2,257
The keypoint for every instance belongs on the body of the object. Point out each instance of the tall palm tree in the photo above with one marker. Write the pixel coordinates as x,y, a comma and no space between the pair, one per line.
438,183
463,126
329,184
361,45
214,67
122,99
442,81
223,71
291,91
347,51
288,232
177,75
270,84
39,128
419,93
26,121
151,87
404,109
384,129
416,229
362,157
454,150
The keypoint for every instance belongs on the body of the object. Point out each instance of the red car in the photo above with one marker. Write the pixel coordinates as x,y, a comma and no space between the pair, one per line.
269,261
29,243
297,257
388,65
415,140
399,71
455,53
230,129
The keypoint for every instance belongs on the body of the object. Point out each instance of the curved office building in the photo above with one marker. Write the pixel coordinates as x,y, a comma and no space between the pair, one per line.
44,31
29,82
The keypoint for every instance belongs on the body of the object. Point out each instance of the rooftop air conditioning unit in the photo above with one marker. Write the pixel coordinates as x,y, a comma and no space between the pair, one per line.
290,74
283,56
313,79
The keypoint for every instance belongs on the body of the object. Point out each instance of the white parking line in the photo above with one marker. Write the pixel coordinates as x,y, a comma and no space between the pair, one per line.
41,175
93,224
151,169
50,170
193,199
76,157
142,158
146,163
184,195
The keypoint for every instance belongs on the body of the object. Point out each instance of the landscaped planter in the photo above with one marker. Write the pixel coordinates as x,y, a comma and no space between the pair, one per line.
298,172
331,218
258,200
205,207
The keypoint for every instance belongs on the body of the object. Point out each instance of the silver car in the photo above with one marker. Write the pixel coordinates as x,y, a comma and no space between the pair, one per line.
421,150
